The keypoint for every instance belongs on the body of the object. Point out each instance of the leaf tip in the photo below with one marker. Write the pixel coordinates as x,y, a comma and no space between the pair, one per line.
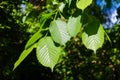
14,67
52,69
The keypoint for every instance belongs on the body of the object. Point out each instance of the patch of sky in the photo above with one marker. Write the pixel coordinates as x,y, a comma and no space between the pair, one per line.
23,6
109,7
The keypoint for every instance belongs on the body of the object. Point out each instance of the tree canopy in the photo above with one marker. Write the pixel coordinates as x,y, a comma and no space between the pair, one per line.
59,40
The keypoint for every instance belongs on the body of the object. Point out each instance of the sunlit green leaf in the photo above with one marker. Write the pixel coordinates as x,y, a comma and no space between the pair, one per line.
45,16
74,25
108,38
23,55
47,53
33,39
59,32
82,4
93,36
61,6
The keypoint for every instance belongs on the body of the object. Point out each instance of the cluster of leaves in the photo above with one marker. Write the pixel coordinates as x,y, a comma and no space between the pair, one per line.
51,37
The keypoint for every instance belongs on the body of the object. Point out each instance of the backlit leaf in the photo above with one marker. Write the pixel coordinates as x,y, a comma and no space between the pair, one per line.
74,25
93,36
59,32
82,4
47,52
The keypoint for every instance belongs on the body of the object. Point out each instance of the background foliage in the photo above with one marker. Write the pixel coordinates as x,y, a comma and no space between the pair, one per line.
70,39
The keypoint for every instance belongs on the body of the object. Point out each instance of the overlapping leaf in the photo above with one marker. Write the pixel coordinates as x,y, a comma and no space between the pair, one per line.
59,32
82,4
93,36
74,25
47,52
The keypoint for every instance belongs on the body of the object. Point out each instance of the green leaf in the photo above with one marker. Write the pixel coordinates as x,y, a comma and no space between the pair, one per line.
33,39
59,32
23,55
61,6
82,4
106,35
93,36
30,16
47,52
25,17
69,2
74,25
43,18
